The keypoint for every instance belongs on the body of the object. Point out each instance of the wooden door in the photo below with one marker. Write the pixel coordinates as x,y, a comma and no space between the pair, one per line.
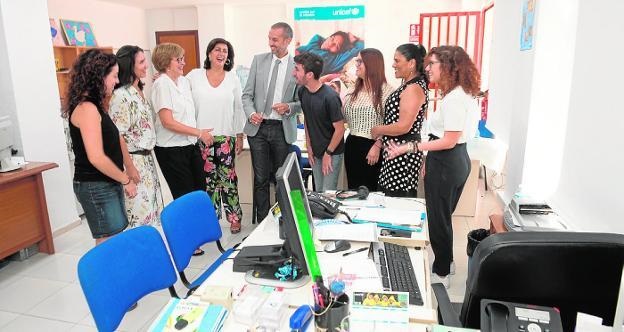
188,40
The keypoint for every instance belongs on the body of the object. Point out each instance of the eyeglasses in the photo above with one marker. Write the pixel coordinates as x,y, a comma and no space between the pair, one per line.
431,63
358,62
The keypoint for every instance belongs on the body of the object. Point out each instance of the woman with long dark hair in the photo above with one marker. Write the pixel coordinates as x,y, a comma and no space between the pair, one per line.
364,109
448,164
403,120
133,116
217,95
99,177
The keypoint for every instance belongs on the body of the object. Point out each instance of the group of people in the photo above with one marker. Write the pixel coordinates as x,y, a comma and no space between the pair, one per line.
195,126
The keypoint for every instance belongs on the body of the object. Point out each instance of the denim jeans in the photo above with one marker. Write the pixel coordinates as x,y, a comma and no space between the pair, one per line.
329,181
104,207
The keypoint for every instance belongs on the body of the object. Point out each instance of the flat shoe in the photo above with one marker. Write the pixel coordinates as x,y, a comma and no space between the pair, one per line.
198,252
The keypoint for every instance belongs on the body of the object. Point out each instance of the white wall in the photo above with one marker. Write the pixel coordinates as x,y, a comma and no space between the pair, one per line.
169,20
510,89
31,85
113,24
591,182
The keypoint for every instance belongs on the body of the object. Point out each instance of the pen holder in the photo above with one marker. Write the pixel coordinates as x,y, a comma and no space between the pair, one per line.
330,318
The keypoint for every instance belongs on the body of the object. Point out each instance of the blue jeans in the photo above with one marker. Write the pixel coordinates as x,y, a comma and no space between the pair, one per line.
329,181
104,207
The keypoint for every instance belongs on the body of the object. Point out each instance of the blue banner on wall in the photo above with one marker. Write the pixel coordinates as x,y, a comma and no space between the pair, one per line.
329,13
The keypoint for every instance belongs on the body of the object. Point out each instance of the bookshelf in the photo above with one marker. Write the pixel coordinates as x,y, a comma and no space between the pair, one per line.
64,57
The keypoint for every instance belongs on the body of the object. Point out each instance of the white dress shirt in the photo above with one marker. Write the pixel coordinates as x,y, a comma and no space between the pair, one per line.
279,82
176,97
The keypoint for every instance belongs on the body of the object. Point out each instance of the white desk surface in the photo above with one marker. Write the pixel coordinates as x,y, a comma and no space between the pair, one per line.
267,233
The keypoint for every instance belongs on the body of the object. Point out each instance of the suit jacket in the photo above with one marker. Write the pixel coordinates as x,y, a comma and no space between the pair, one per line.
254,95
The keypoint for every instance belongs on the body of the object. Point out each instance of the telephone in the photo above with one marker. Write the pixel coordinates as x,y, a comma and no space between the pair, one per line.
500,316
322,207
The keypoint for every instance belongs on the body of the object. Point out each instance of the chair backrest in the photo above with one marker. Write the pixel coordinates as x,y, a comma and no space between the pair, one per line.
117,273
189,222
571,271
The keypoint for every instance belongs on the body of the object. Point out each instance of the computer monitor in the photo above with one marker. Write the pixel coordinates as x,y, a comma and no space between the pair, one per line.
298,245
296,219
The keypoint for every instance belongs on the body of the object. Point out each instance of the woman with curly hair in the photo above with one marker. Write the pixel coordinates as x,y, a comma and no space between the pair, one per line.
217,95
99,178
133,116
447,164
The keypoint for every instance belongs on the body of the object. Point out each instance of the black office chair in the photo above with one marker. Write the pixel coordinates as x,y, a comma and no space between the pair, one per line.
571,271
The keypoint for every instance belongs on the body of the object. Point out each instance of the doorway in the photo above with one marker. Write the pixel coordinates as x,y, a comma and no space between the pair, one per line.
188,40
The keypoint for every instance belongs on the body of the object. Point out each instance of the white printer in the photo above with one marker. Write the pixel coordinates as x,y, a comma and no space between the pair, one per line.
529,214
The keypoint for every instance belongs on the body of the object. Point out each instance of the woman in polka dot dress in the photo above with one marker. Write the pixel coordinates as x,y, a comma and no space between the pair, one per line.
403,119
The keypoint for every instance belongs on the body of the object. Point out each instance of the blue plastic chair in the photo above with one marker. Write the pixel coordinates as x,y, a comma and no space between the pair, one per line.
189,222
119,272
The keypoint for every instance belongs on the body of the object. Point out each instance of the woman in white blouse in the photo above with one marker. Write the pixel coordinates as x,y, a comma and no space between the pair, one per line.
217,95
177,132
447,163
133,116
363,110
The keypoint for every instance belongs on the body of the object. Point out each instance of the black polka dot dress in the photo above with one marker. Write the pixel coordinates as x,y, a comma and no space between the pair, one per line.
401,173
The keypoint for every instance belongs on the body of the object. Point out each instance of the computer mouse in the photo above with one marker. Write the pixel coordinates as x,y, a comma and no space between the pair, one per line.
337,246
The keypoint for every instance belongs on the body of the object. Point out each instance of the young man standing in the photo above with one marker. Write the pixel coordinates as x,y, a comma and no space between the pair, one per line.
324,122
271,109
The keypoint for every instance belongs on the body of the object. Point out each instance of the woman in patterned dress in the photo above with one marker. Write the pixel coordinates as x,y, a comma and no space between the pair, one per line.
217,95
363,110
403,119
132,114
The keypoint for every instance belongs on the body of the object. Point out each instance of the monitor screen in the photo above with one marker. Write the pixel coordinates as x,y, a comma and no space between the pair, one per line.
296,217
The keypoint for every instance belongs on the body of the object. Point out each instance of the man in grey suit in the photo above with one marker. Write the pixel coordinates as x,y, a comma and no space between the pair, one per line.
269,101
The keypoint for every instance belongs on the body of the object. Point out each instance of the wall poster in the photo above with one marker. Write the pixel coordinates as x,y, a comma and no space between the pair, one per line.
334,33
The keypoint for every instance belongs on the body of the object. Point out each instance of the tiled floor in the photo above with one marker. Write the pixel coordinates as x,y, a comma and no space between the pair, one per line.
42,293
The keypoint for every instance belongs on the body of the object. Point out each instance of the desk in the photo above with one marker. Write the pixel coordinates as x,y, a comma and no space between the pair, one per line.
267,233
24,210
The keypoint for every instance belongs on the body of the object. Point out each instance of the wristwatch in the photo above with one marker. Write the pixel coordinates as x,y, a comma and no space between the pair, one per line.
329,152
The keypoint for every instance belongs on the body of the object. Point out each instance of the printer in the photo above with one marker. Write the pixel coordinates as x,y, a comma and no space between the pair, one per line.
525,213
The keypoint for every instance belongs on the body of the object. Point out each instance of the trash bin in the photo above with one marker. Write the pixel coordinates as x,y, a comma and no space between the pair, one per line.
475,237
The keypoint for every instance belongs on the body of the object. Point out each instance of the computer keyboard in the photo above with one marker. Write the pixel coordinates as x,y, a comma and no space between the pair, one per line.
396,270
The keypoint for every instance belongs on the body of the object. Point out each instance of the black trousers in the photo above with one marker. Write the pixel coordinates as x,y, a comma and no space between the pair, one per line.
359,172
268,152
182,167
446,174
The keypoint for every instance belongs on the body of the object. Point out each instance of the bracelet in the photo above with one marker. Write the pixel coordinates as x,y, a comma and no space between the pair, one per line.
416,149
127,182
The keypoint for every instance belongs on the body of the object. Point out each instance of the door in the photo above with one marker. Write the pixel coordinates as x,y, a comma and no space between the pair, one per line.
188,40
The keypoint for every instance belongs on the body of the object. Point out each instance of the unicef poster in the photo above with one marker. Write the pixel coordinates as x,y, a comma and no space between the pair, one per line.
335,33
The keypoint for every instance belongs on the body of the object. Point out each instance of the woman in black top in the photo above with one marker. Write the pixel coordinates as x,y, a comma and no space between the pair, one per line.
99,165
403,118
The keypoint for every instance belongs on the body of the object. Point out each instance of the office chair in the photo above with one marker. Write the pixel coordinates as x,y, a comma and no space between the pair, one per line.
119,272
304,165
189,222
571,271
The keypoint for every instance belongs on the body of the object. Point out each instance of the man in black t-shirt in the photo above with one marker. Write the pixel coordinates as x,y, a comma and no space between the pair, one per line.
324,122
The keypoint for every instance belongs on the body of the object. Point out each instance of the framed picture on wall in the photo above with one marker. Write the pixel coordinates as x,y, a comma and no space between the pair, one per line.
55,32
78,33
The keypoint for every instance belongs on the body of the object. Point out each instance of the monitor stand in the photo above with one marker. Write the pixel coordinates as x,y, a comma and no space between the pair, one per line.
266,278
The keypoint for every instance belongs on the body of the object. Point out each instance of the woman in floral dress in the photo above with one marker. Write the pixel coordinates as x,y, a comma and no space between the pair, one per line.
217,96
132,114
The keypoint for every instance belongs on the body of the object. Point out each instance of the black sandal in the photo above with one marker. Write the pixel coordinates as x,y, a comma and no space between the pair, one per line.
198,252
